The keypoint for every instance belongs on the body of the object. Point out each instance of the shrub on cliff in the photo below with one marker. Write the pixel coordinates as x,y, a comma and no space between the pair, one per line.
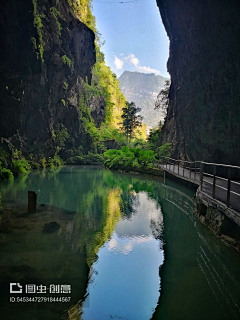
5,174
42,163
20,164
56,161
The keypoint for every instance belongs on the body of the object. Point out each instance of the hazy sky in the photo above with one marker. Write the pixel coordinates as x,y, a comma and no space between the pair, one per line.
135,38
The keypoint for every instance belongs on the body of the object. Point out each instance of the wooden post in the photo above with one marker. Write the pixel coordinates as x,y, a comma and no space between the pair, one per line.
194,170
164,172
214,181
229,186
201,175
190,167
32,201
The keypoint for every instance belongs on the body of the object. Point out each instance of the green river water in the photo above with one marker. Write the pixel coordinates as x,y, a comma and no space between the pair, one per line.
110,245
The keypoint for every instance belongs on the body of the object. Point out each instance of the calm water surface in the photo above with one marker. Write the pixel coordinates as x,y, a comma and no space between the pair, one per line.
128,245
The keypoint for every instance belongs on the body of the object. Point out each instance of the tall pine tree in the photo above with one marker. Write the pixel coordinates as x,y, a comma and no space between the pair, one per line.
131,120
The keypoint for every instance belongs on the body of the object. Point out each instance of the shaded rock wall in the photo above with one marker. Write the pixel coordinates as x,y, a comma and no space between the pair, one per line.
223,221
38,93
97,105
204,63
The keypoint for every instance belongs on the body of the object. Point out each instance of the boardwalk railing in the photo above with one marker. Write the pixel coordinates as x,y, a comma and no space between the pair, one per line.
221,182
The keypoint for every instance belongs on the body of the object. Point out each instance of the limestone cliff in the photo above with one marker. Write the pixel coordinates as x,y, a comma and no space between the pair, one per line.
204,63
45,53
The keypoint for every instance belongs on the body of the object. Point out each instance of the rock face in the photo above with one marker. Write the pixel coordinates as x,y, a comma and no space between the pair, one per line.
45,53
97,106
223,221
143,89
204,63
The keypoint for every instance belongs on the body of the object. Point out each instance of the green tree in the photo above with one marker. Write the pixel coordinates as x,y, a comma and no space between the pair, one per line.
162,101
154,138
131,120
164,151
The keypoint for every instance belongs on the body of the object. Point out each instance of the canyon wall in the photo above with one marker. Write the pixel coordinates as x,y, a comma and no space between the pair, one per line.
203,118
45,54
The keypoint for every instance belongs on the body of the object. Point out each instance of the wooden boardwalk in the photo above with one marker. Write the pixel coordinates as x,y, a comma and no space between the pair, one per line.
222,189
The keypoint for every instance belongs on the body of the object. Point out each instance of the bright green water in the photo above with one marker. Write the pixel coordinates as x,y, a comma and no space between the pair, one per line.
128,245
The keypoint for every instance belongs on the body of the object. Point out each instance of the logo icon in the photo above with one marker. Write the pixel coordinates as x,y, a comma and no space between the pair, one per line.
15,288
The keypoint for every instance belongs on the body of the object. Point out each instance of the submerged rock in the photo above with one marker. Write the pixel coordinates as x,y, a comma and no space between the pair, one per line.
51,227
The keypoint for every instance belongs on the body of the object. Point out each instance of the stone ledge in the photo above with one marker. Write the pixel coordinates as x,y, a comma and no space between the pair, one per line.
209,201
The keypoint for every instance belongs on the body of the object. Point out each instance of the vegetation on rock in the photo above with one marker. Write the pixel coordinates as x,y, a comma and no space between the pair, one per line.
162,101
20,164
82,9
57,16
37,22
5,174
67,61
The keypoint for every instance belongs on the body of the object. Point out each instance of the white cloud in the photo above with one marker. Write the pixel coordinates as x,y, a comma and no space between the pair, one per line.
126,244
118,63
132,59
148,70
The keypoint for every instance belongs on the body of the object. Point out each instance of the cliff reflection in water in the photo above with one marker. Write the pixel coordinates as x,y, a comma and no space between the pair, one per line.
85,203
125,279
109,247
200,276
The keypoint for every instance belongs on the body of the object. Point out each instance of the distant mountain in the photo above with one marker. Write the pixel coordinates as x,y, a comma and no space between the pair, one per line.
143,89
